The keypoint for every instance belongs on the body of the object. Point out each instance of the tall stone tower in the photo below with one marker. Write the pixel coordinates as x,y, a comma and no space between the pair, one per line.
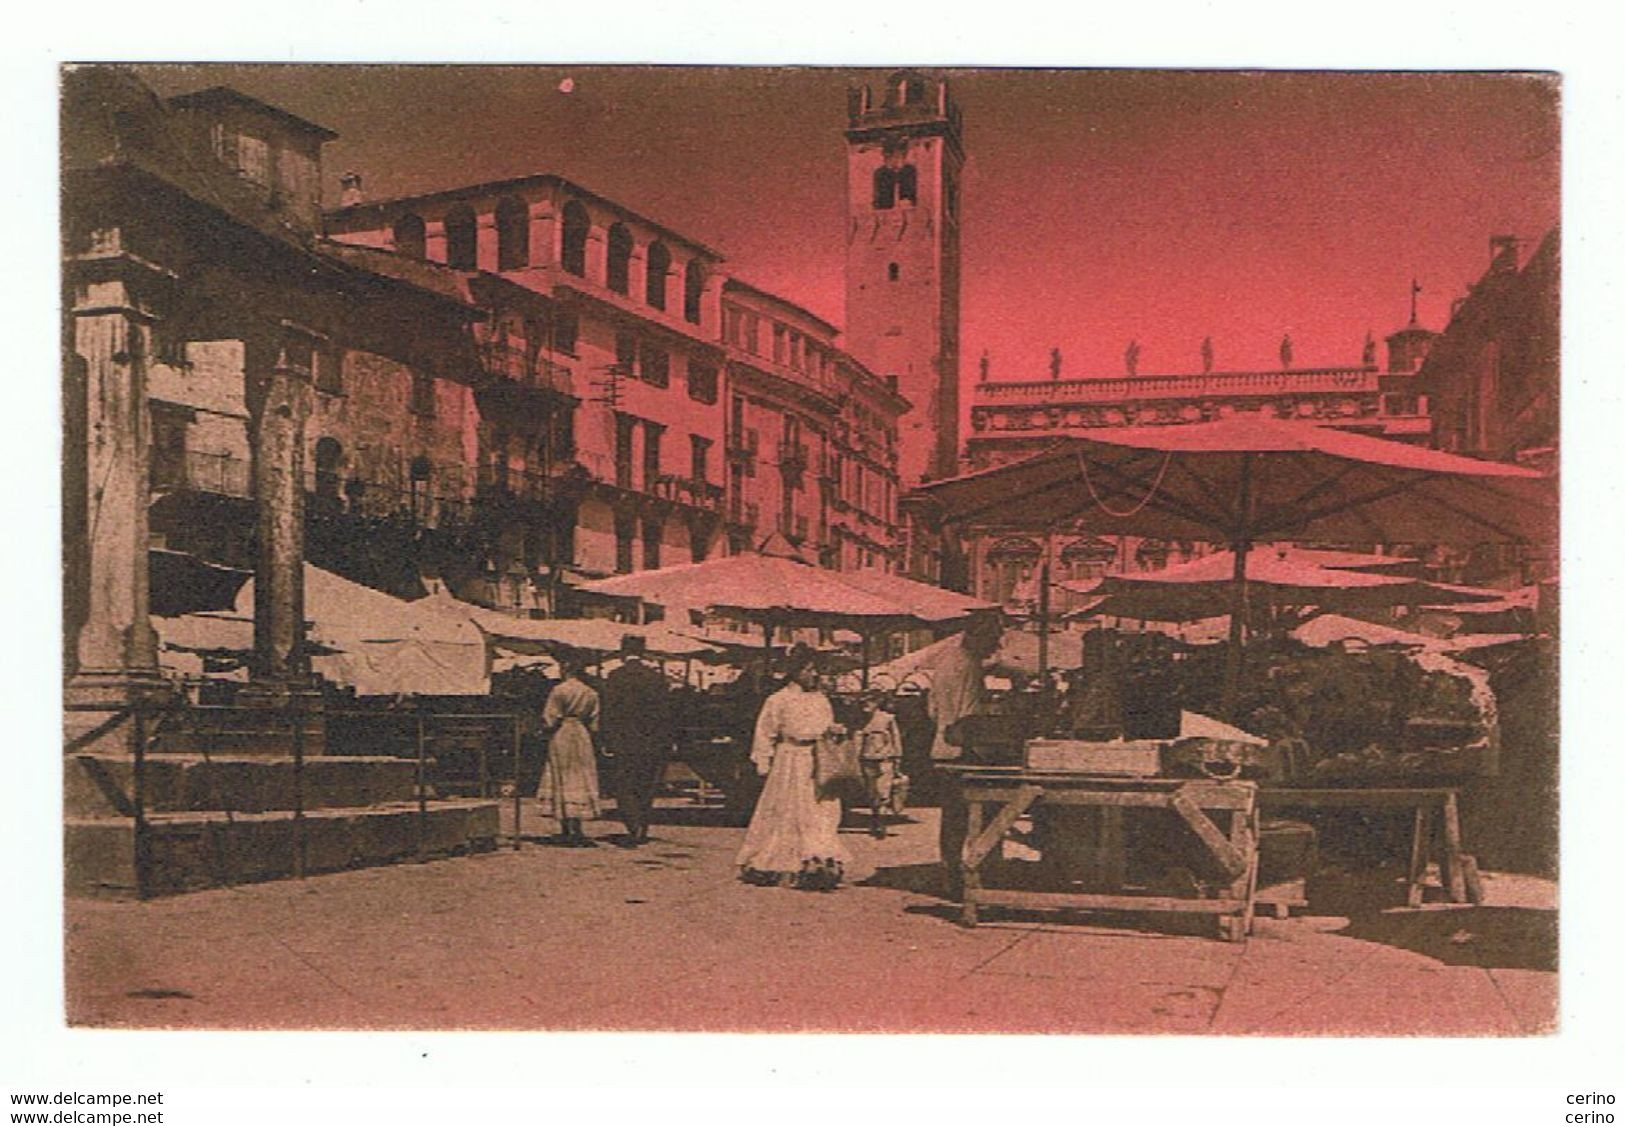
904,156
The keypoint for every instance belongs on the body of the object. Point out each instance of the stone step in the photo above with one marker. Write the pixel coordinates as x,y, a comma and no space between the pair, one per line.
189,851
103,785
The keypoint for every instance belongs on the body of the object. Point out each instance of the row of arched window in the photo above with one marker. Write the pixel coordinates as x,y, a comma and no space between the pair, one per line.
513,250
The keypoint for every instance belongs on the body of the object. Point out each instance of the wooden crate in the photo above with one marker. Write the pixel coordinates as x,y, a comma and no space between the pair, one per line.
1137,758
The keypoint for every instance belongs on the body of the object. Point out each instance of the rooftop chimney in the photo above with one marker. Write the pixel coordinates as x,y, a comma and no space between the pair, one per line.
350,189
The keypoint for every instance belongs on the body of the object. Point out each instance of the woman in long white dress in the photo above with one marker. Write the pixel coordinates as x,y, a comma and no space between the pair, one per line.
569,789
793,839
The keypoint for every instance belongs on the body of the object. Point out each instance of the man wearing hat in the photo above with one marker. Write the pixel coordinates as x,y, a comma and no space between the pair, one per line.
637,733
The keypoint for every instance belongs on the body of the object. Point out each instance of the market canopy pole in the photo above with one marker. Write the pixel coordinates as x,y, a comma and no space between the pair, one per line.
1241,545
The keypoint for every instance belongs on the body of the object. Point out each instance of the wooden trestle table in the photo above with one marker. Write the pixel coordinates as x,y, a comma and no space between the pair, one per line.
996,797
1457,871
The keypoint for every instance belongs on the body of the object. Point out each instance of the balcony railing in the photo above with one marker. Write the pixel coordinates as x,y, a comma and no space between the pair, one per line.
1058,392
434,502
517,364
522,484
686,490
195,471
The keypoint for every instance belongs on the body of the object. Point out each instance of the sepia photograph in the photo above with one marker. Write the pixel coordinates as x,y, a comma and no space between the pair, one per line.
840,549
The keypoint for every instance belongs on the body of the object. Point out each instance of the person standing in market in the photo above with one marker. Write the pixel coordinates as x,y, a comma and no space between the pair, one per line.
569,789
793,839
957,690
638,731
880,755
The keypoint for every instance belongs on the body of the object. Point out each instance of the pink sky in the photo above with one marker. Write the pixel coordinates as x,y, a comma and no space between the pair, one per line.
1100,206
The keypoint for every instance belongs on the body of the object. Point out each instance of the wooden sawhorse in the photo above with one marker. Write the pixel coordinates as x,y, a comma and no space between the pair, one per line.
1458,871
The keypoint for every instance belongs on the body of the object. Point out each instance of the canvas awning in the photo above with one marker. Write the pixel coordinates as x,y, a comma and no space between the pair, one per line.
1280,576
783,591
1255,480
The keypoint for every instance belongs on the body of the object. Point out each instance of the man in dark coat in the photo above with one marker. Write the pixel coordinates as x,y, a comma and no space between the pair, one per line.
637,731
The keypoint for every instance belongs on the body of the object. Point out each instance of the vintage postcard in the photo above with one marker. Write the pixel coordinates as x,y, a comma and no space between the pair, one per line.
810,549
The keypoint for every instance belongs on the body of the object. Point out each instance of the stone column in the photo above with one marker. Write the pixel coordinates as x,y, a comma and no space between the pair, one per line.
434,240
485,242
279,375
598,254
637,275
112,650
545,235
711,304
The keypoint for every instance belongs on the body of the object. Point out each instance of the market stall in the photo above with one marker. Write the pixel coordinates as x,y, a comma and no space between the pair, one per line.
1247,482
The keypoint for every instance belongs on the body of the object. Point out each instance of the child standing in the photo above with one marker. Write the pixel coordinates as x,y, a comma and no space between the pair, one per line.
880,754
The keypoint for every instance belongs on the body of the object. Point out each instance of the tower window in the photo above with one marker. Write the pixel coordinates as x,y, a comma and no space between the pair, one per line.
513,234
461,247
892,271
908,183
885,188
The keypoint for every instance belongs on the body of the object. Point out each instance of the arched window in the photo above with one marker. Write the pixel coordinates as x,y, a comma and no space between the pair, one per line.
573,253
420,468
893,271
659,259
693,289
908,184
619,267
461,239
408,236
329,459
885,187
913,92
513,234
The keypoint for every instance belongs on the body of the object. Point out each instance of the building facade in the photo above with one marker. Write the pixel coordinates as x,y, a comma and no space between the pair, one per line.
1012,420
216,348
1493,373
812,436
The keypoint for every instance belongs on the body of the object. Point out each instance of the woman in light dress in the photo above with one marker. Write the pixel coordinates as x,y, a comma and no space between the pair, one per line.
793,839
569,789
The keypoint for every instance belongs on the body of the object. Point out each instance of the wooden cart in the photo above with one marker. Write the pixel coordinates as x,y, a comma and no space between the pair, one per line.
997,797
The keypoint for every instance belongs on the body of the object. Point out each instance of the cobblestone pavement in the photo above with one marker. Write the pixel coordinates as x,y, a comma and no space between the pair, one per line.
664,937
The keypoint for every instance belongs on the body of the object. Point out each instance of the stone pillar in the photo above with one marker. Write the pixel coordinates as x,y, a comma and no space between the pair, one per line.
545,235
434,240
711,303
485,242
279,374
637,275
112,650
597,254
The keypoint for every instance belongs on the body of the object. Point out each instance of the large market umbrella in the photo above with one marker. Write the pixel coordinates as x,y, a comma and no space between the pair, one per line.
1017,652
773,590
1201,588
1242,481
